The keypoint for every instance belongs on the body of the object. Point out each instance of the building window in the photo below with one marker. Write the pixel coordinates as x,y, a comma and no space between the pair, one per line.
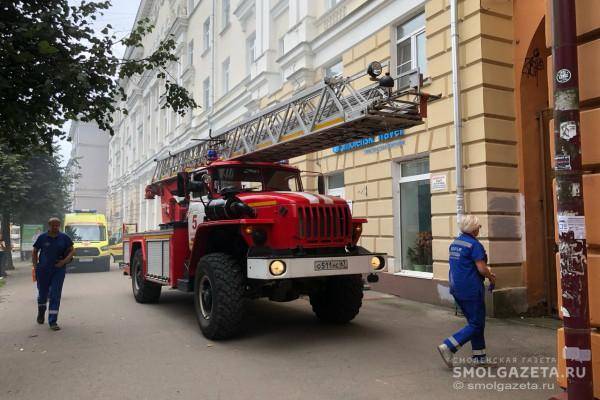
333,3
206,93
206,34
281,46
250,52
410,48
415,216
191,5
225,11
225,76
335,69
190,52
335,185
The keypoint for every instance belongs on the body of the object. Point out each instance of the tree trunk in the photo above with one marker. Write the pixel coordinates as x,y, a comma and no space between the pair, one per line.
8,264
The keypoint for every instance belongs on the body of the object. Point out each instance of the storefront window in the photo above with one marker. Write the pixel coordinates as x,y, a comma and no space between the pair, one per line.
415,216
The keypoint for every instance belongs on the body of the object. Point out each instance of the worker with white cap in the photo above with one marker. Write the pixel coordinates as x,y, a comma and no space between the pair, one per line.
468,270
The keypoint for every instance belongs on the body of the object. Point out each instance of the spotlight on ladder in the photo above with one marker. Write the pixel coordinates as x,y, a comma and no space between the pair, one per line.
374,70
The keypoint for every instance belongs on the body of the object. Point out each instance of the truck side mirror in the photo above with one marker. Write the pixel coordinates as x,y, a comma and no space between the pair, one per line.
321,184
182,178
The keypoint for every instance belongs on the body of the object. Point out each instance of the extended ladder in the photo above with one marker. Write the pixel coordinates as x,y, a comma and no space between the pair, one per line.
328,114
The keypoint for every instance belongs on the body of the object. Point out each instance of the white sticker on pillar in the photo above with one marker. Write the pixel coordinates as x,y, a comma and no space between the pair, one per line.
568,130
572,223
575,189
563,76
577,354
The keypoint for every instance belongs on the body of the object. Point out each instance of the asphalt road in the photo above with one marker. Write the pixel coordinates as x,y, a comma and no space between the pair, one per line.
113,348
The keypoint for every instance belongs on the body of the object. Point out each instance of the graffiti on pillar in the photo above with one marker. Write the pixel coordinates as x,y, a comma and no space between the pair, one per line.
533,65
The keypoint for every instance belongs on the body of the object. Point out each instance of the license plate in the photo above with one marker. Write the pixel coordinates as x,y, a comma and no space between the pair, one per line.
85,259
328,265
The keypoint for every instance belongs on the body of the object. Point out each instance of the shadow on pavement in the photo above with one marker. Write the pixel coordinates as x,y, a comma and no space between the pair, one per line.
290,324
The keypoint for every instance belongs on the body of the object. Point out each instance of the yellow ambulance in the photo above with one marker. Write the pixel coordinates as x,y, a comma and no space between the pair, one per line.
87,229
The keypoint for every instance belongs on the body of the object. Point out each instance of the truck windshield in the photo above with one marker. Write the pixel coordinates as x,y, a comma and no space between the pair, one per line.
256,179
86,233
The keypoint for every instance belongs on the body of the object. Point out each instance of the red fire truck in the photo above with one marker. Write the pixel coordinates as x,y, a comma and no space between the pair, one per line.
237,223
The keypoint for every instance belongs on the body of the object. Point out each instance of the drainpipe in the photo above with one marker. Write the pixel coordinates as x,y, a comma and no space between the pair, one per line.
571,218
458,150
213,31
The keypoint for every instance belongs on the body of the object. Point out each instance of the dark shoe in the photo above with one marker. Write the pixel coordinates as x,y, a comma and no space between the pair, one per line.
40,316
55,327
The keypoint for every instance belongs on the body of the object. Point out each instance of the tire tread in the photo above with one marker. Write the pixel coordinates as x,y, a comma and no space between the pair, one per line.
228,290
340,301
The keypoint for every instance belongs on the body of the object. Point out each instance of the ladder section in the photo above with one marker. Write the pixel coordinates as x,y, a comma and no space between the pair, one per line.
331,113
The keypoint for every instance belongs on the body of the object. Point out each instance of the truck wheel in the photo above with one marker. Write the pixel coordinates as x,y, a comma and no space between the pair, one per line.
219,295
143,290
340,300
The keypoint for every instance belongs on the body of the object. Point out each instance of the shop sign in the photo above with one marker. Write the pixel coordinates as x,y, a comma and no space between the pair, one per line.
357,144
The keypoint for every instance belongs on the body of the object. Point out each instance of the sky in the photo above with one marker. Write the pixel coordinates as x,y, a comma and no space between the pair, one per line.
121,16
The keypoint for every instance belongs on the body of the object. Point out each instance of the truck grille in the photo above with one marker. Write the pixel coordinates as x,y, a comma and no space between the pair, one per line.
86,252
324,223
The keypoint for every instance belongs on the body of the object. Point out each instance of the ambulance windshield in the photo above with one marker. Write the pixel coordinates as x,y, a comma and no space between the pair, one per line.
86,233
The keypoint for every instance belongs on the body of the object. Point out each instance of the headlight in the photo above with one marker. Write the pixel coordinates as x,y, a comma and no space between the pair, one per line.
104,248
277,268
377,263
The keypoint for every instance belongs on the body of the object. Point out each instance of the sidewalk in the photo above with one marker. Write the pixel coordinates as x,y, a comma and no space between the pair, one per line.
115,348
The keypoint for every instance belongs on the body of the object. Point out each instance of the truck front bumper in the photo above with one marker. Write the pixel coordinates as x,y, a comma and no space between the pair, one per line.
313,267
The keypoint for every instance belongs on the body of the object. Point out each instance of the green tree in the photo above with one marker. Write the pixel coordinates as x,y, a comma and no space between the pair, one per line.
35,187
14,183
54,67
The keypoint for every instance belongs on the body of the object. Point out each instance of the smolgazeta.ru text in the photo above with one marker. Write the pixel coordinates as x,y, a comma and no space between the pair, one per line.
515,372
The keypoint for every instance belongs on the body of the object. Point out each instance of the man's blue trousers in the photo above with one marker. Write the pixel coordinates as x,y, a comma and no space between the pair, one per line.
49,282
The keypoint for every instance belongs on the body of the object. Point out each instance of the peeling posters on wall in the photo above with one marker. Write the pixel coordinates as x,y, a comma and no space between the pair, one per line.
572,223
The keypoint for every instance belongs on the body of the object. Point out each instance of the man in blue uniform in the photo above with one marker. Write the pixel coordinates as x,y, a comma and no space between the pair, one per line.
468,270
52,251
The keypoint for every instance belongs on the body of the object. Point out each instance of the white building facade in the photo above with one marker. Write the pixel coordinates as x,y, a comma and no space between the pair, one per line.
89,158
235,57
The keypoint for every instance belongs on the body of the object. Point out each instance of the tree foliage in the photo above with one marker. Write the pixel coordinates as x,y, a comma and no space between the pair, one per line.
33,187
54,67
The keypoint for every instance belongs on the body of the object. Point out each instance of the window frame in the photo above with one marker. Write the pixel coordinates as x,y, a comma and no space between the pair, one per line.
206,93
334,64
398,179
206,35
250,52
225,75
190,52
225,12
340,189
333,3
413,45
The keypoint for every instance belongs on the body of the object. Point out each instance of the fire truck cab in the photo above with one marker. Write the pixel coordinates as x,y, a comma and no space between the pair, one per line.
235,231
